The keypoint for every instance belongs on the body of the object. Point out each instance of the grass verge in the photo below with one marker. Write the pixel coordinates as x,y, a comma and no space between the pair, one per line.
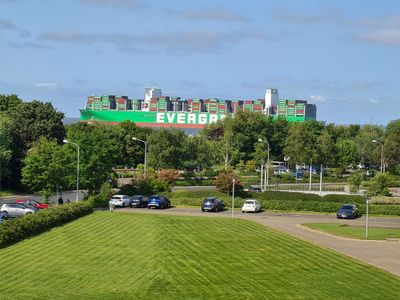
355,232
137,256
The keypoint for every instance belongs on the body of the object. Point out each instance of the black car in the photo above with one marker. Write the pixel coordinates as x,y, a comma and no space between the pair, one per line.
138,201
158,202
212,204
347,211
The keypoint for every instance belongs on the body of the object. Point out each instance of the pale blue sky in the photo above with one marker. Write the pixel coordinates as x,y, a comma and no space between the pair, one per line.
343,56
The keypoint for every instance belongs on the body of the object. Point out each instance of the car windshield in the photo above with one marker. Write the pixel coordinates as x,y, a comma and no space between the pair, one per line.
116,198
249,202
347,207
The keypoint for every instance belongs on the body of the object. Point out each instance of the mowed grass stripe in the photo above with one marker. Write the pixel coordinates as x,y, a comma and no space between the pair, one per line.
134,256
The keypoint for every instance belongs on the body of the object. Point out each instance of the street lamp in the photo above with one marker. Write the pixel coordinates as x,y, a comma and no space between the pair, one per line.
77,168
382,158
233,194
145,152
267,175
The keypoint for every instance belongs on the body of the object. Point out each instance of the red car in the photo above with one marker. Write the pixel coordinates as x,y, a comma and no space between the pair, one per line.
33,203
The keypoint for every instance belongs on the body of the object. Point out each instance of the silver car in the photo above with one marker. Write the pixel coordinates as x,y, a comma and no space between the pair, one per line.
14,210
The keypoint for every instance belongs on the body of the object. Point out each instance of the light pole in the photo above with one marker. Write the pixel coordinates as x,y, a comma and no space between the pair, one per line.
77,168
382,158
145,153
267,175
233,194
367,201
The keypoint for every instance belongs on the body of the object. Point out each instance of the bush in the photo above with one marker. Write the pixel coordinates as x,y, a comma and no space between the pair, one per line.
379,185
168,175
102,198
20,228
224,181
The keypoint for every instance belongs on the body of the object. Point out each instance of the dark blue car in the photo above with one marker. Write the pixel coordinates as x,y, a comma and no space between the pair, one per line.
158,202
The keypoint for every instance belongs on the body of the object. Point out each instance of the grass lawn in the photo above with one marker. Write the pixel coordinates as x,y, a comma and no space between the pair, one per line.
138,256
355,232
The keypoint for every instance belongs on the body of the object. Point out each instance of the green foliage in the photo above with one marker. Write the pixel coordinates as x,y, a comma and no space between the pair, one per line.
46,165
167,148
6,140
145,186
379,185
347,153
356,179
103,197
21,228
9,103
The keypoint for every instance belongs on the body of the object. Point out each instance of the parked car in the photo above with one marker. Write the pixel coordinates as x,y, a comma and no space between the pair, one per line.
158,202
212,204
33,203
251,205
120,200
281,171
16,210
348,211
138,201
255,189
3,217
298,174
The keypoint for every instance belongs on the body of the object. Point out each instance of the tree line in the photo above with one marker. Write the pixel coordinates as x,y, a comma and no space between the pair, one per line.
34,157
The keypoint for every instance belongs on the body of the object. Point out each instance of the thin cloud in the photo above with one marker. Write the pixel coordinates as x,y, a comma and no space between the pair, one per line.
318,98
303,18
374,101
383,31
211,14
26,44
123,4
10,26
189,41
47,85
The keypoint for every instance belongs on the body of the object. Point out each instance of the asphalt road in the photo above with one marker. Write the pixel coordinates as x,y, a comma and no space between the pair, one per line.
382,254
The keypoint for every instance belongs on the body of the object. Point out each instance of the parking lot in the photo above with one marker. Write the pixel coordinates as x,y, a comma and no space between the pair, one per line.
382,254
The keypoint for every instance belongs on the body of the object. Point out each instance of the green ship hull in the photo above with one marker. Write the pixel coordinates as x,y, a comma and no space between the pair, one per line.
162,119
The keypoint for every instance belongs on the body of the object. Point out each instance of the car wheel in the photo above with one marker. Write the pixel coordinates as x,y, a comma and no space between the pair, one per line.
202,210
6,215
242,211
28,213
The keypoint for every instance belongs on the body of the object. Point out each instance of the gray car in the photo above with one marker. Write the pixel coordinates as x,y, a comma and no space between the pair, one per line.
14,210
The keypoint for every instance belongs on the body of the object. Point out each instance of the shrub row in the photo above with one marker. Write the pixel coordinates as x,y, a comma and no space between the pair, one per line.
17,229
295,196
286,201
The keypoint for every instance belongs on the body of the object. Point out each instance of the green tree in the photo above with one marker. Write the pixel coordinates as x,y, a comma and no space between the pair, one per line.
101,149
392,144
347,153
30,122
167,148
46,166
8,103
356,179
379,185
5,146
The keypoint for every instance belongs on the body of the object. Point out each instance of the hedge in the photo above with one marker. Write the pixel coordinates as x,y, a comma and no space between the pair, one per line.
14,230
274,200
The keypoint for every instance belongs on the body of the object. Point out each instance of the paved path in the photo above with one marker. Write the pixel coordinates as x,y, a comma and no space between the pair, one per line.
382,254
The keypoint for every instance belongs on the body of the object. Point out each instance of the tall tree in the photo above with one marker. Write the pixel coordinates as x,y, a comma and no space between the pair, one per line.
167,148
46,165
5,147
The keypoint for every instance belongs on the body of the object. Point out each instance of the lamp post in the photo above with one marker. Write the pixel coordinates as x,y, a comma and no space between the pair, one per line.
145,153
267,175
77,168
382,158
233,194
367,201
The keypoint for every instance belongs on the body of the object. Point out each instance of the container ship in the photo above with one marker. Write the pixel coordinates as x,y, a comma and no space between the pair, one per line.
156,110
